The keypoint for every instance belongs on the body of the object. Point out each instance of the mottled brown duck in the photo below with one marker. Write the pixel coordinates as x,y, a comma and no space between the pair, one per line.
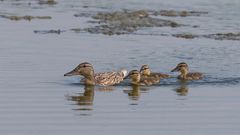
137,79
185,74
146,72
90,78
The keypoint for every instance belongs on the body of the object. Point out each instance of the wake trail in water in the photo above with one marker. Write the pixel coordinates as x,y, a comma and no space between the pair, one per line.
205,81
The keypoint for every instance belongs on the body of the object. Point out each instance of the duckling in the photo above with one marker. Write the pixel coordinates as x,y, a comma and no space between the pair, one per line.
143,81
146,72
90,78
185,75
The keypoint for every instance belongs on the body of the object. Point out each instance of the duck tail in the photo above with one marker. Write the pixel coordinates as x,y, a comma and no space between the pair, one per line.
124,71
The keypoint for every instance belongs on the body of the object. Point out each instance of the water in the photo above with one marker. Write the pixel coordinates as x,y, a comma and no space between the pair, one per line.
36,99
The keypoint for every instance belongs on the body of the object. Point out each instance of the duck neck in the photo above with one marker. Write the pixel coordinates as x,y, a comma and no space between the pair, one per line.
147,72
90,80
184,73
136,80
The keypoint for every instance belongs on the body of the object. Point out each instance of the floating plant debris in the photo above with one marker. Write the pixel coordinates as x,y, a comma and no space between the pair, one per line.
217,36
174,13
224,36
185,35
26,17
125,22
47,2
49,31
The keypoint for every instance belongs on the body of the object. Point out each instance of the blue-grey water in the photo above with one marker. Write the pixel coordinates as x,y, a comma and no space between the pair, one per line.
36,99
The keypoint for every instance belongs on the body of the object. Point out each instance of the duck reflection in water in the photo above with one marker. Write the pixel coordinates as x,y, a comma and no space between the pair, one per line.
105,88
182,90
84,100
135,92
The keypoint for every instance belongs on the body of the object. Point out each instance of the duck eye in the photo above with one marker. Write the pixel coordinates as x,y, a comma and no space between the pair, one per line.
144,68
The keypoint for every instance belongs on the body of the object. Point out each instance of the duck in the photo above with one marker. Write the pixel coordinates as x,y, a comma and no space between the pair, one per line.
137,79
185,74
103,79
146,72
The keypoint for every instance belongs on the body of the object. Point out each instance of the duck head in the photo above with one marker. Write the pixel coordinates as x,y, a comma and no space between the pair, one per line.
181,67
145,70
85,69
134,75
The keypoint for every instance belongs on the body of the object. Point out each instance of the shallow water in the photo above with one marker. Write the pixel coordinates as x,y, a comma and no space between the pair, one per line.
36,99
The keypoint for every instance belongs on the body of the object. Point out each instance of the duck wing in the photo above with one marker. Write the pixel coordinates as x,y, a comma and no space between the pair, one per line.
195,75
160,75
109,78
149,80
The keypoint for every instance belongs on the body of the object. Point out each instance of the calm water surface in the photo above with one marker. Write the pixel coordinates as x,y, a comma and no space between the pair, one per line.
36,99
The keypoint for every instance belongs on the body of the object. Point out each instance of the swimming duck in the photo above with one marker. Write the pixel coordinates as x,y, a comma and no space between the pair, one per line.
185,75
146,72
143,81
90,78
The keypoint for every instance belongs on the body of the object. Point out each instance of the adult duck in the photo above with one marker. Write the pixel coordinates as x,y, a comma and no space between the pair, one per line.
90,78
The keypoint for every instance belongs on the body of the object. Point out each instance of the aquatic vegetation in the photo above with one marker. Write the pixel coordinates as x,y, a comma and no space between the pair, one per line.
48,2
26,17
125,22
217,36
84,14
185,35
174,13
49,31
224,36
77,30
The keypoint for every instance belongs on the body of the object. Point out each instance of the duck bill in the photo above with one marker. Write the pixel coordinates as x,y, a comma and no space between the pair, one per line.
71,73
175,69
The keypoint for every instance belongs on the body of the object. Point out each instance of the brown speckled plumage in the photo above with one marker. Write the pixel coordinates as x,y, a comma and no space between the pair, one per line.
109,78
105,79
137,79
185,75
146,72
